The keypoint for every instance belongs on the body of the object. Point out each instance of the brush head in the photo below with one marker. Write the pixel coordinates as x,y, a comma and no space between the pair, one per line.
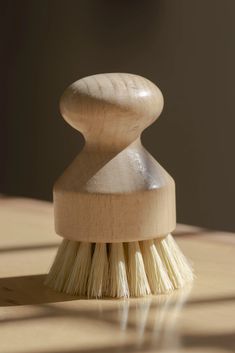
118,270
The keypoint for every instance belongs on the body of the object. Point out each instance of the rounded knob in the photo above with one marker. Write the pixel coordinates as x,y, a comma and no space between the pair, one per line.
111,108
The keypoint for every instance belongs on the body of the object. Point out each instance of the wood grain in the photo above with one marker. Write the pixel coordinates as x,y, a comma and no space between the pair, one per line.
114,191
35,319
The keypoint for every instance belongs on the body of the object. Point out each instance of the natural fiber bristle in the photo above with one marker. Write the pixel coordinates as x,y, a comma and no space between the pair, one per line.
184,267
156,272
118,283
98,278
119,270
76,283
137,279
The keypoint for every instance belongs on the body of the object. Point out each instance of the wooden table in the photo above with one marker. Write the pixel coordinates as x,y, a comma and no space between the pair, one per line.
34,319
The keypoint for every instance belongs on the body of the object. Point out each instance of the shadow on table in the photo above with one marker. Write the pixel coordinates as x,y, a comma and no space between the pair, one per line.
223,342
28,290
143,325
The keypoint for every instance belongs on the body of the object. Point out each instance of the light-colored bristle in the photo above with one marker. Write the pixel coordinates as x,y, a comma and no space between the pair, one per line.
66,265
118,284
168,259
77,280
56,266
182,263
98,278
119,270
137,279
158,279
68,255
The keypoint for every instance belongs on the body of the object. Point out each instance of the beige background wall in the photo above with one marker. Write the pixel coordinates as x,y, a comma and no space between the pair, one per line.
187,47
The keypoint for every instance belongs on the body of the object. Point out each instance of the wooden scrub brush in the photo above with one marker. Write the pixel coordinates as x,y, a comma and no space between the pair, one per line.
115,205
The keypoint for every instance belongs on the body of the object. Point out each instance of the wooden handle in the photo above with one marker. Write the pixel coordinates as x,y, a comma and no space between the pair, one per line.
114,191
111,110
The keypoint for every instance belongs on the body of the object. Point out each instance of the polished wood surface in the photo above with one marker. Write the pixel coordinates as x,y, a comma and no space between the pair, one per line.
34,319
114,181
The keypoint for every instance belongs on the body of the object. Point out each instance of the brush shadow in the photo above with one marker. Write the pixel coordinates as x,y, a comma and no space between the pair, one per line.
28,290
152,322
213,342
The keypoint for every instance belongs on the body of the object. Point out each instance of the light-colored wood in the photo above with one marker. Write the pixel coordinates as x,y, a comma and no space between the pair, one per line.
35,319
114,191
